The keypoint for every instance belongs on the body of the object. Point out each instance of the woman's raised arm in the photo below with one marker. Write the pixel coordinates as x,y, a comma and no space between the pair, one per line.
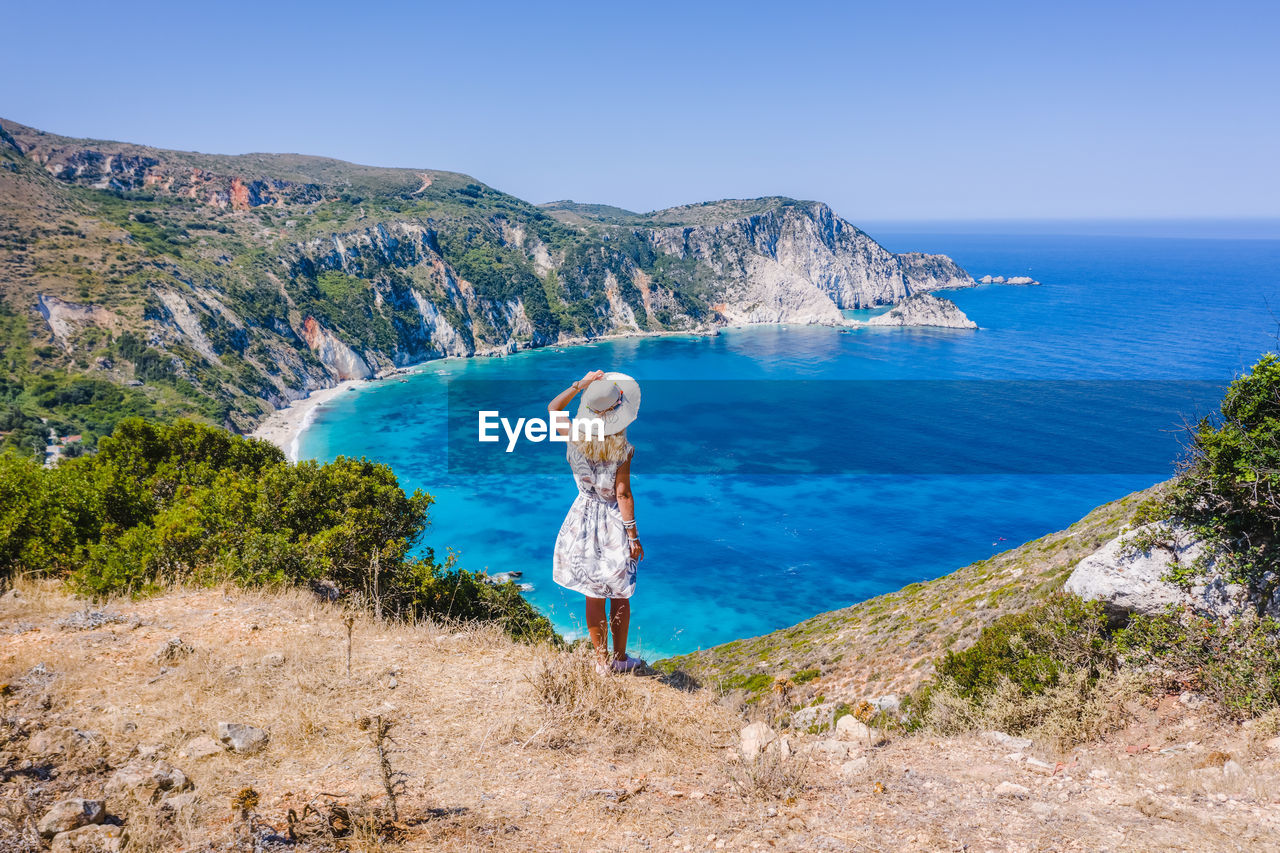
560,401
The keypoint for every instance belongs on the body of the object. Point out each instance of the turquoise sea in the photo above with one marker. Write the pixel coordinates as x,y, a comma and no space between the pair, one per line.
887,479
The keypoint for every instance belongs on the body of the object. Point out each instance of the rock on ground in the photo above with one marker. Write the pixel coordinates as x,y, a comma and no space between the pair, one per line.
146,780
755,738
65,741
853,729
1002,739
201,747
1128,579
815,715
242,737
74,813
855,768
1012,789
833,749
98,838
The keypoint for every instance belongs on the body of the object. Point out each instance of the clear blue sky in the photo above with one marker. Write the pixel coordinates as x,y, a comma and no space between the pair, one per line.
886,110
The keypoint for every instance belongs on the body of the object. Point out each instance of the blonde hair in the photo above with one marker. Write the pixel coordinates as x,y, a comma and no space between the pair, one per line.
611,448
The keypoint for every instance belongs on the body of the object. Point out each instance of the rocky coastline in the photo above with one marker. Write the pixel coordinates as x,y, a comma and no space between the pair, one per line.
924,309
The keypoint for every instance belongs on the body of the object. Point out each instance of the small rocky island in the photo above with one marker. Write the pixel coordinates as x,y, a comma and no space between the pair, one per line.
1013,279
924,309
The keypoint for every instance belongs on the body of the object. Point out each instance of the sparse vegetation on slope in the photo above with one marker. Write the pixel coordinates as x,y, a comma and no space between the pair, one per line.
504,746
889,644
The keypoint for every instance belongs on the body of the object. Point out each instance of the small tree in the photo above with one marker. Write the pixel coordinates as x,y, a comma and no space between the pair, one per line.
1228,488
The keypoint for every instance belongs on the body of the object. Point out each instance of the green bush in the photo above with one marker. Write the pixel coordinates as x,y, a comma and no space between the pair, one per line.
1227,489
1050,671
805,675
1059,669
1235,663
1033,650
187,503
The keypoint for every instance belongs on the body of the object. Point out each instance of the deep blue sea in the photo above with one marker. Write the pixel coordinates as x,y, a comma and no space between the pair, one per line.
784,471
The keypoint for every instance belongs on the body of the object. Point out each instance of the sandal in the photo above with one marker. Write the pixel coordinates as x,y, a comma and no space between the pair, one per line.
628,665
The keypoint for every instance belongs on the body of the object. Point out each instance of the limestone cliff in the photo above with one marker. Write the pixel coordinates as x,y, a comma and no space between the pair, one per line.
799,262
251,280
924,309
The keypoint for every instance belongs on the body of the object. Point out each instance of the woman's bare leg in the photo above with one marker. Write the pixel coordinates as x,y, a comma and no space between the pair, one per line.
598,628
620,619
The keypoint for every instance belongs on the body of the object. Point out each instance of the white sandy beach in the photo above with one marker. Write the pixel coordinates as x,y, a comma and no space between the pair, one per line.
283,426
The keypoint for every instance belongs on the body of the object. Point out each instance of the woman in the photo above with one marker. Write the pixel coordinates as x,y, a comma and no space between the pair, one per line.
599,546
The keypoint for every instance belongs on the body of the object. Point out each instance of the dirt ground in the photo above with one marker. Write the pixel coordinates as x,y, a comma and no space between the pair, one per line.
500,746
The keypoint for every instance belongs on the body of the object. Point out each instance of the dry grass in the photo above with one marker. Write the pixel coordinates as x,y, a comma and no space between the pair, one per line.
513,748
1072,712
630,714
770,777
472,714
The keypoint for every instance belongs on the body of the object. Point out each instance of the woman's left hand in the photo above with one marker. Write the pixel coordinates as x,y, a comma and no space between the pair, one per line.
637,551
592,376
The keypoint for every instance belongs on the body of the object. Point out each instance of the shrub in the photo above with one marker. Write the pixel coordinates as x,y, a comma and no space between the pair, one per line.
1033,650
805,675
1050,672
1228,487
1059,671
1234,663
187,503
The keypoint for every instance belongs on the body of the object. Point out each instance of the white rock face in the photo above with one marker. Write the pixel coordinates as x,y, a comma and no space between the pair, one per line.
63,317
1130,581
802,263
342,361
187,322
925,309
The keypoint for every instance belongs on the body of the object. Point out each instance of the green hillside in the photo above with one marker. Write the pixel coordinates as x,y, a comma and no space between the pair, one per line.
137,280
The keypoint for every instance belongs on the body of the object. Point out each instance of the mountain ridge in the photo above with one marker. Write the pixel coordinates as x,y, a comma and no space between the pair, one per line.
226,286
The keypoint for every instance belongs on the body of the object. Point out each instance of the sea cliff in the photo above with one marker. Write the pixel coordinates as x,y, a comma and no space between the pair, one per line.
924,309
241,283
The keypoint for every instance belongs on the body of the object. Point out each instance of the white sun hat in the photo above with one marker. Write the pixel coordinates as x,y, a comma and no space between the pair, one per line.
615,399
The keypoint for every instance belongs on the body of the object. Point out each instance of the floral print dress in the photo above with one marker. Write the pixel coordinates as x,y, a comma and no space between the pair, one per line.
592,555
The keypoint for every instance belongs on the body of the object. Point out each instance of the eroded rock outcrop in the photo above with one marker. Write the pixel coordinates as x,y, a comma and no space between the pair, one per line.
777,266
924,309
1130,574
342,360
